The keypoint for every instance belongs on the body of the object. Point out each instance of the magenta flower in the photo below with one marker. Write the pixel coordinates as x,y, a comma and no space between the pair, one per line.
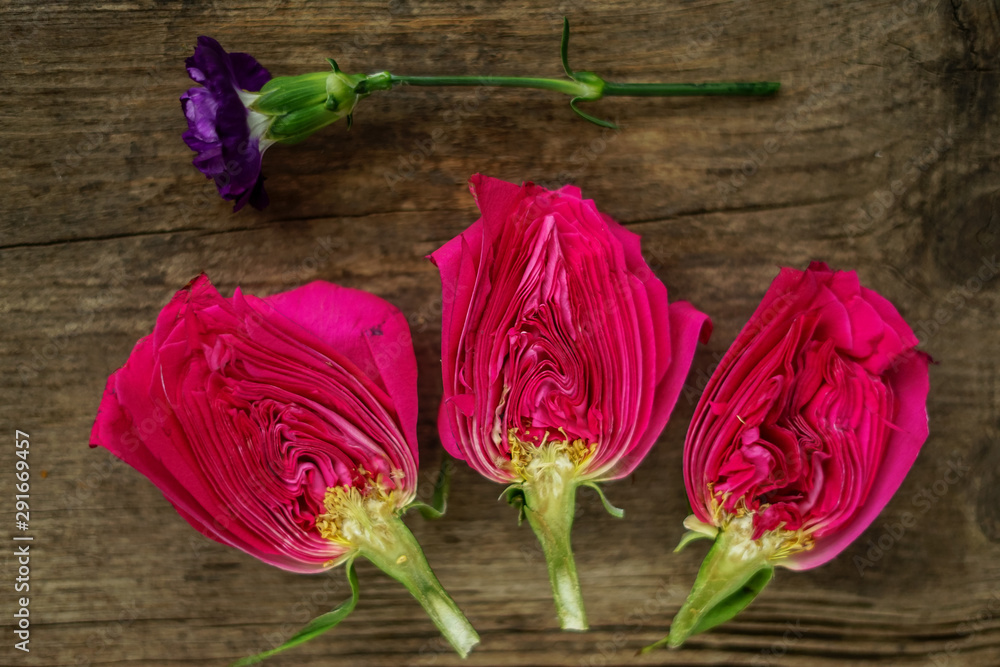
282,426
562,358
227,136
803,434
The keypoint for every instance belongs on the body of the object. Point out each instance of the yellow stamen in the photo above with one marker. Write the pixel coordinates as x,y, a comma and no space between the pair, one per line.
529,460
352,515
779,543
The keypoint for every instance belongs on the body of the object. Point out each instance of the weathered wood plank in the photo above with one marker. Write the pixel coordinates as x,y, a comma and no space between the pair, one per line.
881,154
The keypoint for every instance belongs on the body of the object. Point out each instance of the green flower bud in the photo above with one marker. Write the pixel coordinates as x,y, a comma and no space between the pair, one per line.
291,108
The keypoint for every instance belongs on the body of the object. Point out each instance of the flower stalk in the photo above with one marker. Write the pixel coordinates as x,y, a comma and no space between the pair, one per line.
547,495
399,555
369,525
550,510
581,86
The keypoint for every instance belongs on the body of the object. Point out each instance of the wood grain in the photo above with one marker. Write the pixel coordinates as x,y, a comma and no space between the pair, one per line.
881,154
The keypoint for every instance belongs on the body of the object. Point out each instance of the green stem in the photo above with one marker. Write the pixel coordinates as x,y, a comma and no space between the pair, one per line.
398,555
756,88
550,509
587,87
558,85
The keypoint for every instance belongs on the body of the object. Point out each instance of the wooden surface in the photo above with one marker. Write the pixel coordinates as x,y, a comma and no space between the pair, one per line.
888,107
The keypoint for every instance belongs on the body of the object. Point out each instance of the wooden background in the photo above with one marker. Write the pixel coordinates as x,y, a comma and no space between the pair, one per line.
880,155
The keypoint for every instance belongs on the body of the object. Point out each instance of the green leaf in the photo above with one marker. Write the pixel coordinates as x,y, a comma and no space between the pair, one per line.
317,626
564,48
586,116
611,509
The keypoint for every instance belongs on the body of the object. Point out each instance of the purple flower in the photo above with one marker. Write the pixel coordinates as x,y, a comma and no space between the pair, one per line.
225,133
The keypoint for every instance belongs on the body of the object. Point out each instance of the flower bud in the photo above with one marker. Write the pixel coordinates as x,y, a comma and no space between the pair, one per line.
298,106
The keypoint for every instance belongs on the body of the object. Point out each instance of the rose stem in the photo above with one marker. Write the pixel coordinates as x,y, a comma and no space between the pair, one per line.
402,559
550,509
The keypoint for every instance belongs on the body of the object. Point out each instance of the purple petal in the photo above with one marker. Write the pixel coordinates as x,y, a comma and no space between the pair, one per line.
218,130
250,74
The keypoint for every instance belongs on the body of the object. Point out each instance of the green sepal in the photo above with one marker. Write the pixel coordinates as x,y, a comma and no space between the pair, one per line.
616,512
298,125
735,603
442,485
733,573
513,495
317,626
333,64
689,537
285,94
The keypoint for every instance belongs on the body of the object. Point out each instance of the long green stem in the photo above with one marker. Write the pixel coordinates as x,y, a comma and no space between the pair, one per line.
755,88
399,555
558,85
550,509
580,88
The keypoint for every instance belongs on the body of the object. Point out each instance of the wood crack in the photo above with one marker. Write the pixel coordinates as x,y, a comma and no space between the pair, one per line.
107,237
966,31
750,208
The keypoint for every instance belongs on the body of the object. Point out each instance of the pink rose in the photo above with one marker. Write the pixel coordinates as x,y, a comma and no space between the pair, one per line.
282,426
804,432
562,358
